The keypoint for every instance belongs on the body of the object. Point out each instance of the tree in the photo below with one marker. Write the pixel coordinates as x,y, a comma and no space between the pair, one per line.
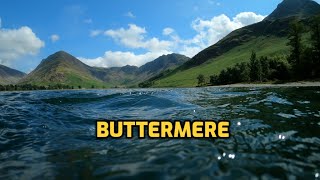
146,84
223,77
265,67
201,80
315,43
255,68
279,69
296,47
308,63
214,80
244,72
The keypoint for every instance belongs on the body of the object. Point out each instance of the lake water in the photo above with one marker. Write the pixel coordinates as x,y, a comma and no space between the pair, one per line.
275,133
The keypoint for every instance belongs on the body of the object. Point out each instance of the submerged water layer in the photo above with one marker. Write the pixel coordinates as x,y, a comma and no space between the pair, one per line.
51,134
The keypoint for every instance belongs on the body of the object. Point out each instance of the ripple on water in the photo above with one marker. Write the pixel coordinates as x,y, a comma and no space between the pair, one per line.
49,134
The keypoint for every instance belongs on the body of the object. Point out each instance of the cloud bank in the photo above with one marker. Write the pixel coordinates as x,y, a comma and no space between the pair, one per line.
207,33
16,43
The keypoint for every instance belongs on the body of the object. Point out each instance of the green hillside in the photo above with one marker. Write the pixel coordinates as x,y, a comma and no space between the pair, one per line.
131,76
62,68
266,38
9,76
271,46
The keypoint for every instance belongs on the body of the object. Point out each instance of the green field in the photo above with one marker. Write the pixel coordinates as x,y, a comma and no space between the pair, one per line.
264,46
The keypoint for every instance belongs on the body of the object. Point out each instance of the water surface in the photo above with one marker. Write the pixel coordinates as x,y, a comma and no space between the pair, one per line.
275,133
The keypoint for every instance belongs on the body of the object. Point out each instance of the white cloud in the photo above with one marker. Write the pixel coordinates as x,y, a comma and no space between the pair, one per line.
190,51
130,15
119,58
88,21
247,18
133,37
167,31
212,30
16,43
54,38
94,33
208,32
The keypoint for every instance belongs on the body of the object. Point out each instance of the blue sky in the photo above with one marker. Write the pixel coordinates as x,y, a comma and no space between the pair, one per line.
118,32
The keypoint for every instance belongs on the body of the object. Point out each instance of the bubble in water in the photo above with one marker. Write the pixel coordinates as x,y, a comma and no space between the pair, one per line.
316,175
219,158
239,123
224,154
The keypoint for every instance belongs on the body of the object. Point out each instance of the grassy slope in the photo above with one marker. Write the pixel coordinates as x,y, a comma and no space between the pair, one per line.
72,77
271,46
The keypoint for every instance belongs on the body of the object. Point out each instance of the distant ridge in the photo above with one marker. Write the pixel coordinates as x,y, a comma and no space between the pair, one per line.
132,75
162,63
297,8
9,76
63,68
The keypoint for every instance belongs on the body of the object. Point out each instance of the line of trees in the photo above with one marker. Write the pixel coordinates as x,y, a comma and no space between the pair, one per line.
303,61
261,69
305,57
30,87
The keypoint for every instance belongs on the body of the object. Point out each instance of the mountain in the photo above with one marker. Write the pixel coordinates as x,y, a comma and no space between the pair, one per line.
9,76
289,8
266,38
63,68
132,75
163,63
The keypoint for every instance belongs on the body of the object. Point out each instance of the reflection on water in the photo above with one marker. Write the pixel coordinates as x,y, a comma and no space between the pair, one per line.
51,134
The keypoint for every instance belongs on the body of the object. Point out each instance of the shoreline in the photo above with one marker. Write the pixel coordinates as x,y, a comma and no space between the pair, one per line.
240,85
288,84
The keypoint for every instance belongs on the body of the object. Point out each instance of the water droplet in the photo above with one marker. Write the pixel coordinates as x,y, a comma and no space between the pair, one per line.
282,136
316,175
232,156
219,158
224,154
239,123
